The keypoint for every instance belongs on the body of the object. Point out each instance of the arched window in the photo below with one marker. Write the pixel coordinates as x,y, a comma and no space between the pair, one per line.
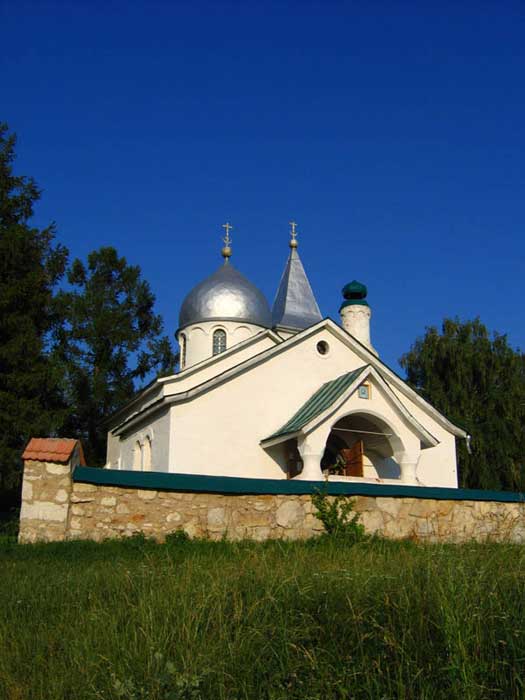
137,456
146,454
219,341
182,351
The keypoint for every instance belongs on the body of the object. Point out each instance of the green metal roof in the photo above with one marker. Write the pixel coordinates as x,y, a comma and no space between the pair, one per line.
319,402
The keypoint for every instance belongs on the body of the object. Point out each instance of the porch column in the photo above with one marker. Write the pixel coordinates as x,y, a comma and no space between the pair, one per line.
408,461
311,448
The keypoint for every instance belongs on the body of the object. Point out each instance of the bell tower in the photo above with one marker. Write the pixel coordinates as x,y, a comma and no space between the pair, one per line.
356,313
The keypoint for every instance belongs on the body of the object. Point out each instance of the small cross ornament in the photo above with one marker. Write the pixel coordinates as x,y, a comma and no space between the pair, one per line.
293,233
227,240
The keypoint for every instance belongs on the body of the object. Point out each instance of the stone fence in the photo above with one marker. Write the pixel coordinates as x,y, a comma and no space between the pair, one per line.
62,500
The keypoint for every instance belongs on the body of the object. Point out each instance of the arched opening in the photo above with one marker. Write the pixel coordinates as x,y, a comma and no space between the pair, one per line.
137,456
361,444
219,341
146,454
182,343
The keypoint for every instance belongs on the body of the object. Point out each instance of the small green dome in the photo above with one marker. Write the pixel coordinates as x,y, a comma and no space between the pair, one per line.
354,290
355,293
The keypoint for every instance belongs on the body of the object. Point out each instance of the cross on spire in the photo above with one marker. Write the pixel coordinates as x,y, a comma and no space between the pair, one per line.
293,234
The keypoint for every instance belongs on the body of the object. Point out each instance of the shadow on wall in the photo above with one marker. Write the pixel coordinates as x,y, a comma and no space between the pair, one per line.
286,455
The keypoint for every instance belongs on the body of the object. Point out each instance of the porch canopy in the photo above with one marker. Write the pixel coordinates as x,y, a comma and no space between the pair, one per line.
314,419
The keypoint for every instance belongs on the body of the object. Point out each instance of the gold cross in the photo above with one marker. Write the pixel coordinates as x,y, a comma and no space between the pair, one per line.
227,240
293,231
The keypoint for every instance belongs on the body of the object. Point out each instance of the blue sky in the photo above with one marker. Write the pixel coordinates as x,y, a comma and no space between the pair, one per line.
392,132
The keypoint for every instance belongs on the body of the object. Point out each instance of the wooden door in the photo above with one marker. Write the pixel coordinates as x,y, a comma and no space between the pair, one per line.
354,459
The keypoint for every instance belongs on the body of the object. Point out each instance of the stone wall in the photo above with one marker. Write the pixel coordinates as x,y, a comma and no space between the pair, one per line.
46,498
56,508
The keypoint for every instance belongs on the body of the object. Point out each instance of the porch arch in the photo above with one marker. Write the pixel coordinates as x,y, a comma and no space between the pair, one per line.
382,446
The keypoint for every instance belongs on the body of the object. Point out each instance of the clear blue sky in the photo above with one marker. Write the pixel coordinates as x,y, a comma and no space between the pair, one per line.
392,132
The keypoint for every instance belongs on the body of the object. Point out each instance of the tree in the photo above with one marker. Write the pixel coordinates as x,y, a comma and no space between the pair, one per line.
111,340
477,381
30,267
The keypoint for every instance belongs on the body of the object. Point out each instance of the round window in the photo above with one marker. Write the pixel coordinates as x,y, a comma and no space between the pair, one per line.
323,347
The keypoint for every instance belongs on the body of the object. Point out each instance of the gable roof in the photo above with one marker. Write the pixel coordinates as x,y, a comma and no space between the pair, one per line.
57,450
322,399
332,395
156,384
281,346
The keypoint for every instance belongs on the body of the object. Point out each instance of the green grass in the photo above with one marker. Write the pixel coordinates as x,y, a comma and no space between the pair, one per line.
311,620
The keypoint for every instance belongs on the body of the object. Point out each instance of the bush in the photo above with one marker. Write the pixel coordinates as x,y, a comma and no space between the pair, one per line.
178,537
337,516
9,523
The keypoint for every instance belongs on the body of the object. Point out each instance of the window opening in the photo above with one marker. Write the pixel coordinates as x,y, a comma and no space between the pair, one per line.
219,341
137,456
146,461
182,351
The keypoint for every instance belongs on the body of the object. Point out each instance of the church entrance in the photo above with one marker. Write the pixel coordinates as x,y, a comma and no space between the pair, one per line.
361,445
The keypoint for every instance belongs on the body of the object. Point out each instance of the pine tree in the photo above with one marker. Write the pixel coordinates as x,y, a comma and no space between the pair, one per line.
477,381
111,341
30,266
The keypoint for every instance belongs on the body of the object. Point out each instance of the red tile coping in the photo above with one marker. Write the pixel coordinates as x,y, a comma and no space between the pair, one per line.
53,450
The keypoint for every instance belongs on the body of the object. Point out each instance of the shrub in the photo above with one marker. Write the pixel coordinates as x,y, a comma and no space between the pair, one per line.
177,537
338,517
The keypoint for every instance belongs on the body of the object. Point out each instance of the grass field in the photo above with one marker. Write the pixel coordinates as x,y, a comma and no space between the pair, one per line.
311,620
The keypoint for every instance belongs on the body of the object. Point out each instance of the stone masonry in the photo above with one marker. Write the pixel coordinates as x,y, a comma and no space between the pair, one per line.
54,507
46,498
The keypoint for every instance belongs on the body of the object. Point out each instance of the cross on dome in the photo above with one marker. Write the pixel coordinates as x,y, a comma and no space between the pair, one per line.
227,251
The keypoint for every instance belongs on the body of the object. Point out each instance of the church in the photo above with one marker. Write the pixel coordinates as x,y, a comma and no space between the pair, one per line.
282,393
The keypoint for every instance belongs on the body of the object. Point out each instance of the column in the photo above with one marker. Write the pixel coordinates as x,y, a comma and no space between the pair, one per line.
408,461
311,448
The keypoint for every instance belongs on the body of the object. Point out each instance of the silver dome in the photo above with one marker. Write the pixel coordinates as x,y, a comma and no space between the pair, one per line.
225,296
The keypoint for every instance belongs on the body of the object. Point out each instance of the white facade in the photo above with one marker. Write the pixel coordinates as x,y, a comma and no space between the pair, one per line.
281,394
216,418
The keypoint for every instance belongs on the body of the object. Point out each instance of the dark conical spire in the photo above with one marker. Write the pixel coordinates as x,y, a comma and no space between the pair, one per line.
295,305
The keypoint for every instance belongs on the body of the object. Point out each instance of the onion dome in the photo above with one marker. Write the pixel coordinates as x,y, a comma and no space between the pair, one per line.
226,295
354,293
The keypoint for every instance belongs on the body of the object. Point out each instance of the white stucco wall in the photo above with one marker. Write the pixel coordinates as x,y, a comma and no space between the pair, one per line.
120,446
158,431
218,364
355,319
198,339
218,432
437,465
234,417
114,448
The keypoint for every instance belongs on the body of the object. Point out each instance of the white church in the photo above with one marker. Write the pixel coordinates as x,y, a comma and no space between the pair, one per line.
282,393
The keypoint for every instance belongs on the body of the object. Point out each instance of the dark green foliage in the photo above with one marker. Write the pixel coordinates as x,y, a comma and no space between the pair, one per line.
66,361
30,266
176,538
336,514
268,621
477,381
110,339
